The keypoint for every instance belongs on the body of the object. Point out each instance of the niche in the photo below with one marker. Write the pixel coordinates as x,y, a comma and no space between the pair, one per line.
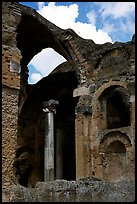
115,108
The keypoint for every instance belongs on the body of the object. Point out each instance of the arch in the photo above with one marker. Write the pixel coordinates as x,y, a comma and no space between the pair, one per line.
113,150
116,147
44,58
117,108
111,105
24,149
24,164
111,137
32,41
43,35
104,86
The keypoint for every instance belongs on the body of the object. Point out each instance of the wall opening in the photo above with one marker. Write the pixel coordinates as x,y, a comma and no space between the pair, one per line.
115,108
43,64
114,156
118,114
58,85
116,147
31,125
115,161
24,164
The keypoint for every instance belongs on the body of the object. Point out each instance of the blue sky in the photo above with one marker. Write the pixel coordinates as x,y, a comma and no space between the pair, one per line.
100,21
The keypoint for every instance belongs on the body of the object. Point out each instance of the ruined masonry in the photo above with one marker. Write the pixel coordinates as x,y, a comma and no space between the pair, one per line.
77,122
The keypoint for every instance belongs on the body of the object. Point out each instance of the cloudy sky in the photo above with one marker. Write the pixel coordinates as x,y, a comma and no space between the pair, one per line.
100,21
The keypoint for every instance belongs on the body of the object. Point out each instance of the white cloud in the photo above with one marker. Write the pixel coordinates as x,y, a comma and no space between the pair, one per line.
35,77
40,5
108,27
46,60
128,26
88,31
116,9
91,17
66,17
117,18
62,16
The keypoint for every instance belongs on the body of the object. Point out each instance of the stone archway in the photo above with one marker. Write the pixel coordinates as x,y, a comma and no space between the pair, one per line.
30,123
113,151
111,106
115,107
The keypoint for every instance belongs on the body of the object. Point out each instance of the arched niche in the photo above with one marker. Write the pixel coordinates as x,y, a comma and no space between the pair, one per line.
114,108
113,151
116,147
24,164
112,139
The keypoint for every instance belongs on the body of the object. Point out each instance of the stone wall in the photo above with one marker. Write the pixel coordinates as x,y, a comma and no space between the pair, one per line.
9,134
91,86
86,190
11,57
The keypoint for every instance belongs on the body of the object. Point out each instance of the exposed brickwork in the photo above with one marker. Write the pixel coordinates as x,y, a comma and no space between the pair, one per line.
9,134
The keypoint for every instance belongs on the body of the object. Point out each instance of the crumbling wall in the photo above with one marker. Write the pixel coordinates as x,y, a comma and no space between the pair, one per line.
86,190
94,73
9,134
110,78
10,90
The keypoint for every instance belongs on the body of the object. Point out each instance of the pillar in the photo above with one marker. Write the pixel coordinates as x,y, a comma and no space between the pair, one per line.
59,154
50,110
83,113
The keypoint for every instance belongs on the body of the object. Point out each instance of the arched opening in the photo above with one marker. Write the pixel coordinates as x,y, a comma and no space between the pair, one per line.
115,108
114,158
43,64
115,162
24,164
118,112
58,85
32,125
116,147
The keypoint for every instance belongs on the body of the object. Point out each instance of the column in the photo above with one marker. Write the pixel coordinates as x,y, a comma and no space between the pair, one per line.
59,154
50,110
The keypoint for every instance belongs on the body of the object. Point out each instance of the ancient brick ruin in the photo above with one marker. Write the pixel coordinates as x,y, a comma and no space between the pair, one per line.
94,123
